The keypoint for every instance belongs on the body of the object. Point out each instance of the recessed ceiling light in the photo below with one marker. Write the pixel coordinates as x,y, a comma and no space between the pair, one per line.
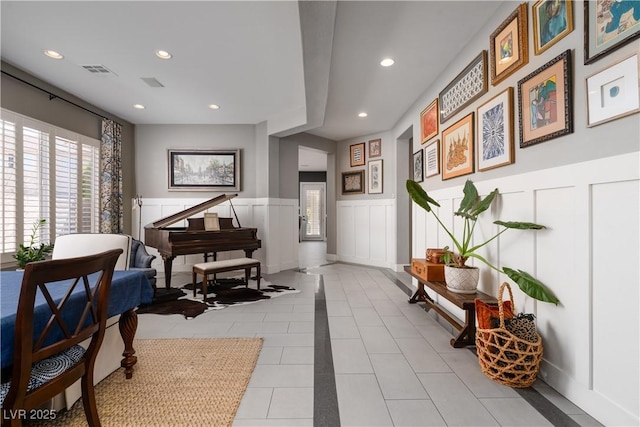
214,106
363,114
53,54
387,62
138,106
163,54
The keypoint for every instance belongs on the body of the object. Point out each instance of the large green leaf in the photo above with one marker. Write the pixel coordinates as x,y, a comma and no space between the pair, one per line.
520,225
470,197
531,286
484,204
418,195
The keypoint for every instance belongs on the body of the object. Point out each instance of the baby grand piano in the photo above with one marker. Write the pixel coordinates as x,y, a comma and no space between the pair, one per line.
194,239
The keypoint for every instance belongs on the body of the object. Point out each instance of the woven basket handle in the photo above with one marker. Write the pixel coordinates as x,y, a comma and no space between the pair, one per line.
500,307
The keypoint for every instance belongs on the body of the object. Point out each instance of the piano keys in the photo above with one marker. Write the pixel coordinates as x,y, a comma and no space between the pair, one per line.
194,239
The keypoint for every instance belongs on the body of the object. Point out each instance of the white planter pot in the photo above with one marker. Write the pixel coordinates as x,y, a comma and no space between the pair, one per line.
462,280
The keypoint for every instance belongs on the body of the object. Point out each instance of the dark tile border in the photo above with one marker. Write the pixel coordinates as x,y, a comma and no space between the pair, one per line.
325,396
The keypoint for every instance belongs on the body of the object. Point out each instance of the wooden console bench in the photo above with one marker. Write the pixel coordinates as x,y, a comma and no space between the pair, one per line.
467,331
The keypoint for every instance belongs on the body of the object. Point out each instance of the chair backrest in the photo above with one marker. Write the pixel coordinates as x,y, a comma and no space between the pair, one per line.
72,300
81,244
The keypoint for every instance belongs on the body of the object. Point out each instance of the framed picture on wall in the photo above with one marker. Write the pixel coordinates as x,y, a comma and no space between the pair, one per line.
429,122
353,182
357,155
613,92
495,131
545,102
375,148
468,86
609,25
509,45
552,21
432,158
204,170
375,176
418,166
457,148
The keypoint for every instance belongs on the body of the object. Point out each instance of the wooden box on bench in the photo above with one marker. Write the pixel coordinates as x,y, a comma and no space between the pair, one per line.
428,271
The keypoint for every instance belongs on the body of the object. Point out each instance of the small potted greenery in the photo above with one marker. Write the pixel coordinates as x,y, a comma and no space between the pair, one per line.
471,206
33,252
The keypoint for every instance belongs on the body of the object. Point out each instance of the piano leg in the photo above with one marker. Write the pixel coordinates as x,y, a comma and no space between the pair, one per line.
168,264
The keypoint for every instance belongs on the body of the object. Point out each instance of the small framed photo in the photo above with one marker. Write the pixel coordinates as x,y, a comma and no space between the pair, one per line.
609,25
552,21
509,45
495,131
613,92
432,158
375,176
204,170
353,182
429,122
357,155
457,148
375,148
418,166
545,102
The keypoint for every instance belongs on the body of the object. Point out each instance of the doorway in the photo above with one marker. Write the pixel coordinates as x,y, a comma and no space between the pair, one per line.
313,211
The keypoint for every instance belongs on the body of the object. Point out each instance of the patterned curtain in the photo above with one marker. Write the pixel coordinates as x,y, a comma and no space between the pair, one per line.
111,210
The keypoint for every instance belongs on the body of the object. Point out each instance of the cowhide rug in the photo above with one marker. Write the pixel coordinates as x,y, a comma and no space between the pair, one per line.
222,294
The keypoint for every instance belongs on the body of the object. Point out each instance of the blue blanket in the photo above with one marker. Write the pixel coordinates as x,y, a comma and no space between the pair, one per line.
129,289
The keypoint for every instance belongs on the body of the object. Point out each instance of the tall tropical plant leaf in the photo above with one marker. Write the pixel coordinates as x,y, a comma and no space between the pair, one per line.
470,197
484,204
530,285
520,225
418,195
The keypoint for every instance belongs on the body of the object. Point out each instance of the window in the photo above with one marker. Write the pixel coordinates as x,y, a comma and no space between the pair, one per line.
47,172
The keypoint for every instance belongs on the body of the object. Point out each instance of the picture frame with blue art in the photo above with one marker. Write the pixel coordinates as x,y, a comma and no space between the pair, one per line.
495,132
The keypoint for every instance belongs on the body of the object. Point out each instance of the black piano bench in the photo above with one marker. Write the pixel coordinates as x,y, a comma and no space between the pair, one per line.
213,267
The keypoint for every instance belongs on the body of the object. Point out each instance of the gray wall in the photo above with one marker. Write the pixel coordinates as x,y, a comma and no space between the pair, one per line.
154,141
24,99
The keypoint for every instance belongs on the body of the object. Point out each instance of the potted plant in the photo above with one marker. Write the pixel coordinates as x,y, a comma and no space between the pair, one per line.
33,252
471,206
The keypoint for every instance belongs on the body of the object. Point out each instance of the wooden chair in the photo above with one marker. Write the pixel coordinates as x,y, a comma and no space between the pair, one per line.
41,368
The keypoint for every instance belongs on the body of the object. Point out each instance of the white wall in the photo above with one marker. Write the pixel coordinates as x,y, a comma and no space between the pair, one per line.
588,256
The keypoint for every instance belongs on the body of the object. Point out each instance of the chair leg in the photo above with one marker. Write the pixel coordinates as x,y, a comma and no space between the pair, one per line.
194,280
89,400
205,286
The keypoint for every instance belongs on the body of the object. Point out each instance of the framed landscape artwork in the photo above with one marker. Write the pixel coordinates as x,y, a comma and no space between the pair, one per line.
356,155
432,158
495,131
457,148
552,21
375,148
375,176
609,25
204,170
545,102
429,122
353,182
418,166
613,92
468,86
509,45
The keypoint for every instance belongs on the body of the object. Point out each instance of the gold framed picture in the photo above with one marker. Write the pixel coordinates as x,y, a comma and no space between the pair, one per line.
509,45
429,122
457,148
552,20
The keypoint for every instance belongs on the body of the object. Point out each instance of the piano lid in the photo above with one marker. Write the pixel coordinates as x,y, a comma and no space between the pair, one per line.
165,222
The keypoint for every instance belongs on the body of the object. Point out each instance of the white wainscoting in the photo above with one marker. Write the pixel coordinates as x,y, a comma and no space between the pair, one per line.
275,219
588,256
366,232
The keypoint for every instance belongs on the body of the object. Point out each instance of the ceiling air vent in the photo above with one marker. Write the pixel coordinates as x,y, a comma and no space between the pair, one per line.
152,81
99,70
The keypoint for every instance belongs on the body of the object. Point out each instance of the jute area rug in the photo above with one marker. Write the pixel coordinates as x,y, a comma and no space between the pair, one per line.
176,382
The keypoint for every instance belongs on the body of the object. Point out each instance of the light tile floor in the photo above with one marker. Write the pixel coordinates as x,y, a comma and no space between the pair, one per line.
392,361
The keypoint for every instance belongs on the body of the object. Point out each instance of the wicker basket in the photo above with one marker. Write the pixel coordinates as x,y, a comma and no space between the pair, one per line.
504,357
